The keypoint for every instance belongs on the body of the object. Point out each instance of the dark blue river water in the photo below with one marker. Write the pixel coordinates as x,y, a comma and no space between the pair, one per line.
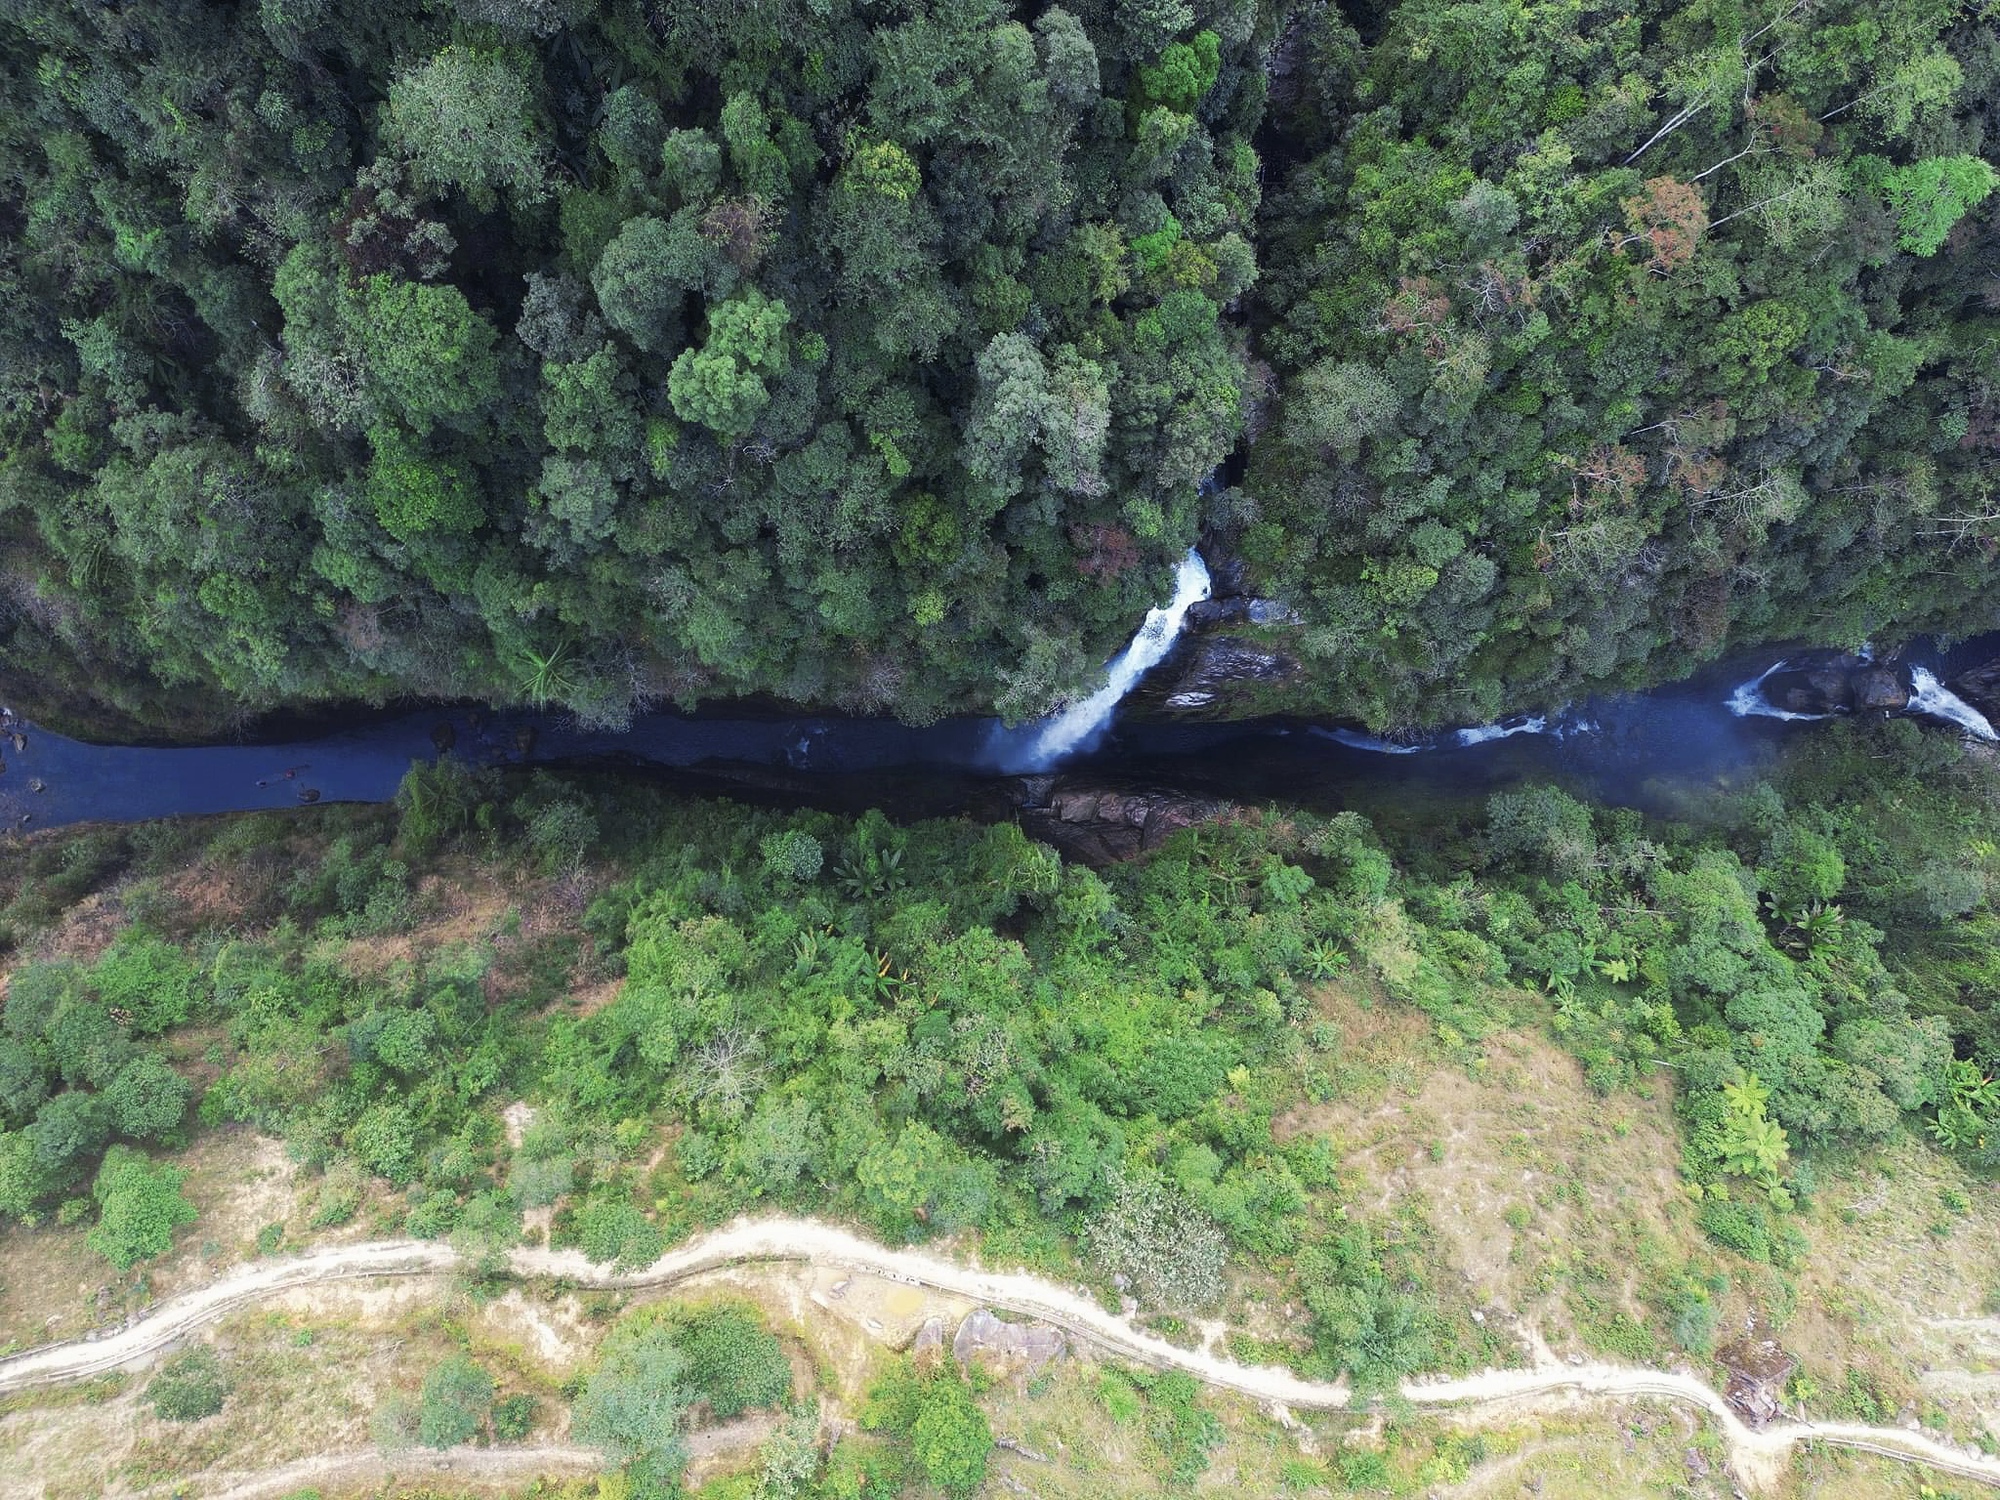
1639,749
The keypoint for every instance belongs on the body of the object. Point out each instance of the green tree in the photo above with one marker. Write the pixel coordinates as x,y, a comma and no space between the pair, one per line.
633,1404
429,356
951,1439
148,1098
414,494
1337,404
454,1402
1929,197
466,120
722,384
648,270
140,1205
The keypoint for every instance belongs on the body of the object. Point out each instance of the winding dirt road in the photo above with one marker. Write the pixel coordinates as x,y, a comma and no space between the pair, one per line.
1758,1455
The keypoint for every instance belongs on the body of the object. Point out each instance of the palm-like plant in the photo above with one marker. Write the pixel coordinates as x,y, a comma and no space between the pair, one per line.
1747,1096
1325,959
870,873
1755,1147
548,676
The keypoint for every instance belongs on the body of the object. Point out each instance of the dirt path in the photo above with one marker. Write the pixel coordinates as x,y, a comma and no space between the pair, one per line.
1758,1456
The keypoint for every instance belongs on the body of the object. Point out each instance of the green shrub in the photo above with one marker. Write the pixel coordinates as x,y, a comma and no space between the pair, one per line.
1740,1227
514,1417
1171,1252
948,1435
190,1385
733,1362
792,854
453,1404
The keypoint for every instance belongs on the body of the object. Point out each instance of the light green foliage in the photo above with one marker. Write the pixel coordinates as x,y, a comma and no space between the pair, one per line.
1170,1250
733,1363
427,352
1337,405
1366,1321
189,1385
139,1207
1185,71
561,833
791,1455
793,853
631,1407
880,167
722,384
413,494
1929,198
465,118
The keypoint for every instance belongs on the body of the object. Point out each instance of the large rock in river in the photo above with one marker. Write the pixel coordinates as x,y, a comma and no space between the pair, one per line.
1100,820
1981,688
1200,678
1880,688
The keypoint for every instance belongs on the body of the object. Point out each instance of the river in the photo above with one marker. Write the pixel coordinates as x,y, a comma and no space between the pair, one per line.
1645,750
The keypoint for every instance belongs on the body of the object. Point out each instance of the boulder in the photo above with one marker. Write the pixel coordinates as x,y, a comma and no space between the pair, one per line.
1981,688
1006,1348
1833,688
1197,677
1757,1370
1102,821
1880,688
927,1348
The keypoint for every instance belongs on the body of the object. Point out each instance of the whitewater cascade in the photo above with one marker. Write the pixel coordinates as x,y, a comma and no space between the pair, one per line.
1929,696
1076,725
1748,701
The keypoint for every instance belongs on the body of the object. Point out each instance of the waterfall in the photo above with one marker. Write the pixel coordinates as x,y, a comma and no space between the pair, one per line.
1929,696
1072,729
1748,701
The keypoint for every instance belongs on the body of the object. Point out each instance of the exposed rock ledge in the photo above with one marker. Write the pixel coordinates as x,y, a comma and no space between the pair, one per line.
1101,821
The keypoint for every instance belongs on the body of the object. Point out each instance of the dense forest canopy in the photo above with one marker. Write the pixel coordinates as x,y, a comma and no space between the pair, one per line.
875,354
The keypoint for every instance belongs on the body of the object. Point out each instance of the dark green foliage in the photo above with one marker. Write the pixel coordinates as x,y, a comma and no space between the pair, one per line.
829,359
454,1402
947,1434
139,1208
733,1364
1585,367
190,1385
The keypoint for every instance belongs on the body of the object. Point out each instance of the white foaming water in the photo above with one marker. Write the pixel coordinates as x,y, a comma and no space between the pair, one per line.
1485,733
1355,740
1077,724
1748,701
1929,696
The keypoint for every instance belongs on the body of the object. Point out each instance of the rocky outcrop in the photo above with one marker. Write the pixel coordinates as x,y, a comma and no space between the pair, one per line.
1198,680
1880,688
1102,821
1757,1370
1821,683
1981,688
1006,1348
